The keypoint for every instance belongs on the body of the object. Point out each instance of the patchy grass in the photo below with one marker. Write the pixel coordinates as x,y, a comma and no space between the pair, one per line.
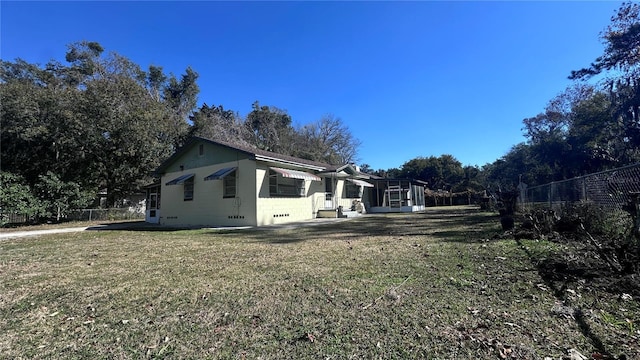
69,224
433,285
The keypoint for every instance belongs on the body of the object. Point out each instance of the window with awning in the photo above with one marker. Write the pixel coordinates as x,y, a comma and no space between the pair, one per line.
295,174
283,182
187,182
228,177
180,180
221,174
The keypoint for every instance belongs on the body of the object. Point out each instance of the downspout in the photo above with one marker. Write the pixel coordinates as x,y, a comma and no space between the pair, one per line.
237,201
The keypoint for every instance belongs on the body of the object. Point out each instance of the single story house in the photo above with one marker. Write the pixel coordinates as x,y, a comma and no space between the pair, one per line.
213,183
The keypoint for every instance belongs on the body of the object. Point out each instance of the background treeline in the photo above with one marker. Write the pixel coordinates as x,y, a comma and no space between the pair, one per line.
591,126
100,122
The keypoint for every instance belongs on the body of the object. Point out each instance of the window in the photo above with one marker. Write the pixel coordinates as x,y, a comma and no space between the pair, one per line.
352,191
188,190
229,185
201,150
281,186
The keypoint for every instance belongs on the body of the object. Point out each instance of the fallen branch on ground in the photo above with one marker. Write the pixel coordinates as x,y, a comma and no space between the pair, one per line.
394,288
614,264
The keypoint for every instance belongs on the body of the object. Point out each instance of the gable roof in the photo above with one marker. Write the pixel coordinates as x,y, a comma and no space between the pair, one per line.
254,153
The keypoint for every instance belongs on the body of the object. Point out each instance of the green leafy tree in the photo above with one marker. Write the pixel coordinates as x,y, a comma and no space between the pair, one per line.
216,123
557,136
40,129
58,196
592,135
366,168
392,173
156,82
471,180
269,128
622,44
442,172
99,122
587,128
16,197
546,133
505,173
425,169
84,60
128,133
452,171
181,97
620,63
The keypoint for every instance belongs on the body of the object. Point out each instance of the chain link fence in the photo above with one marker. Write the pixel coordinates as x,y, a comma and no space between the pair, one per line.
104,215
609,190
112,214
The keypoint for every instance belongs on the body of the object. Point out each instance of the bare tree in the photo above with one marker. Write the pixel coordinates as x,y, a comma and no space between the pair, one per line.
328,140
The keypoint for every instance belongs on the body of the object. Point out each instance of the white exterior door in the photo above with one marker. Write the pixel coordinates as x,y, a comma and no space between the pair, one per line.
153,206
328,193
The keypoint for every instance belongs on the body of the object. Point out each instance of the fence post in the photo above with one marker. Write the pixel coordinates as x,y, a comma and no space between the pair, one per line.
522,198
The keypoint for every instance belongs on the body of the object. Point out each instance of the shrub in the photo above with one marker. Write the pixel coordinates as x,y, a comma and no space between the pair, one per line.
16,198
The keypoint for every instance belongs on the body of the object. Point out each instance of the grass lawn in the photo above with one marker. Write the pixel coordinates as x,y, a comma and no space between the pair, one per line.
438,284
66,224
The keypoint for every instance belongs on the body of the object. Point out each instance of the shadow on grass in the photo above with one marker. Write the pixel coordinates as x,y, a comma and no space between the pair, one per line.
398,225
372,225
469,226
557,275
134,226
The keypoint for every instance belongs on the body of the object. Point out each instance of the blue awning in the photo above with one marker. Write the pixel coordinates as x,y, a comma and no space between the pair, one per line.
220,174
180,180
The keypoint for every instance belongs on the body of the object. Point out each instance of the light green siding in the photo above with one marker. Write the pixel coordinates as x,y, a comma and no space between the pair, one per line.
279,210
213,154
209,207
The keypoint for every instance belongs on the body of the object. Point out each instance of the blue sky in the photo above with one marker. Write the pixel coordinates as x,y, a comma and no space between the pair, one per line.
409,79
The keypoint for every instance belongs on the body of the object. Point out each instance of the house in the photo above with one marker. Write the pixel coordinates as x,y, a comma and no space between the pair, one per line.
213,183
